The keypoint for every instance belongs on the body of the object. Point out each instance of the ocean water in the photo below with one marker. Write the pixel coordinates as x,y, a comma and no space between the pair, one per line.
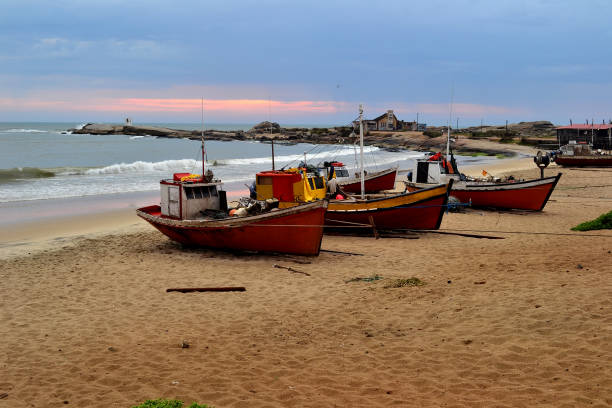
42,161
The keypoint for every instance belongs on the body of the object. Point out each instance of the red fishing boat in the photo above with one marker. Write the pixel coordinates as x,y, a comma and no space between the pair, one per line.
494,193
422,209
582,155
499,194
373,182
194,212
297,230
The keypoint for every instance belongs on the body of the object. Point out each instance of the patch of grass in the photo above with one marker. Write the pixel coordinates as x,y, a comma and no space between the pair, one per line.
604,221
432,133
371,278
400,283
476,154
164,403
500,156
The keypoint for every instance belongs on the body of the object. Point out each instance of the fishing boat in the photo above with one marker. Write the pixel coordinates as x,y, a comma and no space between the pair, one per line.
508,194
297,230
373,182
193,211
421,209
582,155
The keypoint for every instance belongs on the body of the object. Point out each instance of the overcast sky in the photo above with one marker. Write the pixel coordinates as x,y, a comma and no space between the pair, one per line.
305,61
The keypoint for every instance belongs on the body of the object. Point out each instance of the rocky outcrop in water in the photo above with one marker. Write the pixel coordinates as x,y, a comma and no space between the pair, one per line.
434,139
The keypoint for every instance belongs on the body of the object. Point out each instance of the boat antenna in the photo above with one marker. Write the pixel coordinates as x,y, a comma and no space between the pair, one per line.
270,122
361,150
202,138
450,115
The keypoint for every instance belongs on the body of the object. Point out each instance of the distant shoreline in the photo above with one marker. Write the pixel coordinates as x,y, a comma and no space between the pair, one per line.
390,140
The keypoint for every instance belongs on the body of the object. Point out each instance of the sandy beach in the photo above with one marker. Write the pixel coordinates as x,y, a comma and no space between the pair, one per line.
522,321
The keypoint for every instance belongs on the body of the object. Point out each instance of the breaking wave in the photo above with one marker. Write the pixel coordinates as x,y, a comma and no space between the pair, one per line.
23,131
312,158
23,173
145,167
169,166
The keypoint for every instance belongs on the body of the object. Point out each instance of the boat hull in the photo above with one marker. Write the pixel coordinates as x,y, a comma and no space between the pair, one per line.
383,180
421,209
584,161
531,195
297,230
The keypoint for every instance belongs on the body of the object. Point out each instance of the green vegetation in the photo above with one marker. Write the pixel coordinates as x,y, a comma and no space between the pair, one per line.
476,154
432,133
366,279
319,131
163,403
505,137
400,283
604,221
344,131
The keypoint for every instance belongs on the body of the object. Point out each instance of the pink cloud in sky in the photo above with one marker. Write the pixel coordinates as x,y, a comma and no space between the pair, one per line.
463,109
248,106
77,102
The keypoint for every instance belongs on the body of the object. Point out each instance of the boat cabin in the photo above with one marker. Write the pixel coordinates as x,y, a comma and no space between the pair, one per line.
290,186
189,196
435,170
339,170
576,149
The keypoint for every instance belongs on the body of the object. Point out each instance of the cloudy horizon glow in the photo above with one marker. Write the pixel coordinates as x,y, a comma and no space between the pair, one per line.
305,62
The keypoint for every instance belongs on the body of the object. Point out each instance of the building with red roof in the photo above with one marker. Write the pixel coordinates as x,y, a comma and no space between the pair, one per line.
597,135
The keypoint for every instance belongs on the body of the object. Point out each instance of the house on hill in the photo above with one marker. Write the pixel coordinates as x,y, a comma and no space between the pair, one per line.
597,135
388,121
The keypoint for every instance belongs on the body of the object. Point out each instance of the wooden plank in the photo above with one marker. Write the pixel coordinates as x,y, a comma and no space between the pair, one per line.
219,289
290,269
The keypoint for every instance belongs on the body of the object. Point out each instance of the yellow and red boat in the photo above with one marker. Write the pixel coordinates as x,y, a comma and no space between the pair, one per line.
422,209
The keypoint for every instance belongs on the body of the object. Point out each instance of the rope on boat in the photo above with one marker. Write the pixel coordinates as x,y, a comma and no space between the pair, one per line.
517,232
577,187
359,225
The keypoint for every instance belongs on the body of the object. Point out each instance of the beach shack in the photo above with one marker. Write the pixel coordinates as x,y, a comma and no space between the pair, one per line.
388,121
599,136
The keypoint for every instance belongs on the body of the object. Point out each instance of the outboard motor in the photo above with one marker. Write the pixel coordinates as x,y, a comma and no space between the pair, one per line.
542,161
253,191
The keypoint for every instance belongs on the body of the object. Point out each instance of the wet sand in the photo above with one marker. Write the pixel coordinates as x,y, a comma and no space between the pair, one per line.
521,321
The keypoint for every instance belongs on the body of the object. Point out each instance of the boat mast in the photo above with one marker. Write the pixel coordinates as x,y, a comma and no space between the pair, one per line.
270,122
448,141
202,138
361,150
450,117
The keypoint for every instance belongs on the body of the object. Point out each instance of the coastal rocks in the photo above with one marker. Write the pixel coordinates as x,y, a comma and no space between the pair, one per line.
156,131
540,128
98,129
132,130
266,127
482,140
